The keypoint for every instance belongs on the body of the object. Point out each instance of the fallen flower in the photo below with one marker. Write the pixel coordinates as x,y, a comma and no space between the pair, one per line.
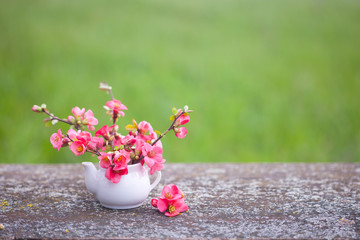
171,201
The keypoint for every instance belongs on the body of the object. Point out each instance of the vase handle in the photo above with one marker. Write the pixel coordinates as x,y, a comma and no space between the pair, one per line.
157,180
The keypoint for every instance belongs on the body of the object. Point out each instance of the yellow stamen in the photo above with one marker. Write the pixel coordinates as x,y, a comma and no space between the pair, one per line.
168,195
171,209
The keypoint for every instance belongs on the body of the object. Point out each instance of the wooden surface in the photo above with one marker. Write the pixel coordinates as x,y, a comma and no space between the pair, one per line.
225,201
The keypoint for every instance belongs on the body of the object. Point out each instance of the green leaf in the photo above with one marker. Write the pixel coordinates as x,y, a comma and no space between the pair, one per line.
47,122
174,110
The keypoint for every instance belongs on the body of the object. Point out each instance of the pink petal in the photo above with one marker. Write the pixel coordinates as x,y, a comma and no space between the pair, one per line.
180,205
72,134
173,214
109,173
92,121
116,178
165,190
89,114
150,162
123,107
184,119
162,205
76,111
158,150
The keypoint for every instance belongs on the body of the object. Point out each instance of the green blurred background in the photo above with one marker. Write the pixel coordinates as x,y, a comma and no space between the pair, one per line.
270,81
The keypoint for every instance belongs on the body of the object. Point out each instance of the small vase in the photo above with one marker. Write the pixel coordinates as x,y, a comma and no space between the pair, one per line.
130,192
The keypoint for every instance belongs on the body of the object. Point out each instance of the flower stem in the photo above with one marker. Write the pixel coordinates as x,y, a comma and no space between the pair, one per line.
52,117
162,135
111,94
169,129
93,152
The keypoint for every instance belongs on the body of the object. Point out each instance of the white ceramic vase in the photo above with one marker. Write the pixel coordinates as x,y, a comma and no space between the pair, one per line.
130,192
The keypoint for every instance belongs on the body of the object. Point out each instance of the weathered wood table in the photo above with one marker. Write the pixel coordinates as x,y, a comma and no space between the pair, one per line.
225,201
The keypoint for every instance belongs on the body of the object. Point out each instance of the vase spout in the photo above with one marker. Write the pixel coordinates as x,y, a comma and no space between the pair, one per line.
90,176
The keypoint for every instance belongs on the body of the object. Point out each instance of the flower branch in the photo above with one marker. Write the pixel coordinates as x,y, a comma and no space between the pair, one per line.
52,117
114,150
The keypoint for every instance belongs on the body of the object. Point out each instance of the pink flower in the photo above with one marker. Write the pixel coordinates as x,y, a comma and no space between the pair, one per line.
78,148
80,141
116,106
115,175
90,120
105,159
171,192
117,167
171,201
96,143
180,132
153,157
121,160
128,141
146,131
176,207
80,120
84,137
77,112
73,134
103,131
183,119
56,139
145,127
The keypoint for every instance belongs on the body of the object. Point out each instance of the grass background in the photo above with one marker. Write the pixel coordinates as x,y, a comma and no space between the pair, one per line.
270,81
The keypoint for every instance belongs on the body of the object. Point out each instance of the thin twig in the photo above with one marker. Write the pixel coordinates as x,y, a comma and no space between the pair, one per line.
56,118
111,94
59,119
163,134
169,129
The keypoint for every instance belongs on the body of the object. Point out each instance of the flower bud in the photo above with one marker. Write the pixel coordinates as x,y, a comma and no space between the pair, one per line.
104,87
65,142
36,109
116,128
137,153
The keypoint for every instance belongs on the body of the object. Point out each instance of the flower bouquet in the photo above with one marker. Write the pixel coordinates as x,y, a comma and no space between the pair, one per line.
124,160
